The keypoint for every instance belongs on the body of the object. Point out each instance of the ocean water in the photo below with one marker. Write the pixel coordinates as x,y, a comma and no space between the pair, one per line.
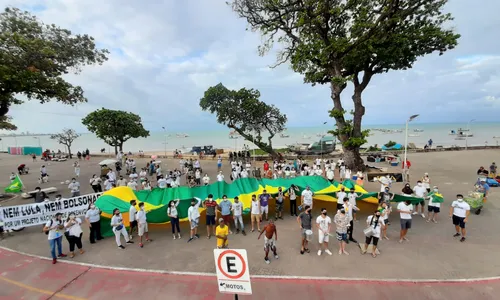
483,133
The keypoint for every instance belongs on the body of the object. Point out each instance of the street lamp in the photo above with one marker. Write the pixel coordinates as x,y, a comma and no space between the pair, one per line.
165,143
405,166
467,133
38,138
321,141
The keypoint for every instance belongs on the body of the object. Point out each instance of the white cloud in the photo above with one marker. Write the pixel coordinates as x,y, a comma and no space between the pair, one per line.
165,54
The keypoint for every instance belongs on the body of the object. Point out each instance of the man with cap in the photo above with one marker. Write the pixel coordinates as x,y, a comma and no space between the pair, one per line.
221,233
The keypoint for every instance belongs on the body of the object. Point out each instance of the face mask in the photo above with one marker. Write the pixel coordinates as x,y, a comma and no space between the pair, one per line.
92,207
324,213
192,204
419,184
436,190
460,200
210,199
72,217
117,214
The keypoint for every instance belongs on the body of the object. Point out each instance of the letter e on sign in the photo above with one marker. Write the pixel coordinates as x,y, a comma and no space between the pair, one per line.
233,276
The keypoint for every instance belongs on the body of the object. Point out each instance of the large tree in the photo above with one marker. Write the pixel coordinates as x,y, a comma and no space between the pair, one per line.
341,42
242,111
66,137
35,56
115,127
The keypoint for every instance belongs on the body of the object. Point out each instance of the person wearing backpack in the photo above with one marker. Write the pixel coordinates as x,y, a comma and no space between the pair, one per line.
372,232
54,229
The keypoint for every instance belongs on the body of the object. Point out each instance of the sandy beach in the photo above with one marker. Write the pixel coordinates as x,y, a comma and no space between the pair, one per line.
454,172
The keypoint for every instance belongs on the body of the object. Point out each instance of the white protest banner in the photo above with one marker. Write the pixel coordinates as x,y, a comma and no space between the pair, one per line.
39,213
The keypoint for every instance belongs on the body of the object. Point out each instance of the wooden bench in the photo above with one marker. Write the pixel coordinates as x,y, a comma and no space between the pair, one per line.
31,194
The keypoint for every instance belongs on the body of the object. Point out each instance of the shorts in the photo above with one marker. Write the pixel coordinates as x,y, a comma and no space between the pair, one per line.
433,209
421,203
428,190
269,243
323,238
133,224
143,228
279,206
194,223
369,240
227,219
340,206
405,223
198,181
210,220
264,209
342,237
255,217
458,221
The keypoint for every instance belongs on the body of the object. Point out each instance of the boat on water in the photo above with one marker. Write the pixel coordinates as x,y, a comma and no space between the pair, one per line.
320,134
418,130
283,135
413,135
306,137
181,135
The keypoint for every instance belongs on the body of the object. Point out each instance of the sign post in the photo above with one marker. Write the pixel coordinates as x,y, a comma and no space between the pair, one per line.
233,276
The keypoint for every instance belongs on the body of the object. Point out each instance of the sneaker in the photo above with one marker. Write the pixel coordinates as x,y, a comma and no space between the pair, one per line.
406,239
319,252
62,255
179,236
197,236
121,247
340,252
346,253
267,260
276,256
174,236
71,255
243,232
423,216
415,213
434,221
141,245
428,220
190,239
456,234
328,252
54,261
400,241
237,231
462,239
353,240
130,242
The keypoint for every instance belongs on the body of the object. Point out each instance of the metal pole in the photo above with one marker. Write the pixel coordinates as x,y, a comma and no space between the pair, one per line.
165,146
253,141
406,147
466,135
235,296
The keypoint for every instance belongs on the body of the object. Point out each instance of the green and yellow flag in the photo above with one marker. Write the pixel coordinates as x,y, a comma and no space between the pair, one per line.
436,197
15,186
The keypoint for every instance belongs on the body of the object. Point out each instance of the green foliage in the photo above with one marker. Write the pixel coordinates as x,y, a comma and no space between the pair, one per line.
34,57
242,111
115,126
373,148
390,144
66,137
338,42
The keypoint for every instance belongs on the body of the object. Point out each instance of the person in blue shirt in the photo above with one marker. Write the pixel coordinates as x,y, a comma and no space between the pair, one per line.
225,210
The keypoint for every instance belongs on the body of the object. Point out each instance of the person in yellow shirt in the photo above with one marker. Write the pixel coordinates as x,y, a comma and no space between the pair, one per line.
221,232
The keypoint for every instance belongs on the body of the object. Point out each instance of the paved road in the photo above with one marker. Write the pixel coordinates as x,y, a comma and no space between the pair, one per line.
27,277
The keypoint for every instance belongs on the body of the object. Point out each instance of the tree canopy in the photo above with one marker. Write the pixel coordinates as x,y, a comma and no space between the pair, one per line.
115,127
338,42
66,137
242,111
35,56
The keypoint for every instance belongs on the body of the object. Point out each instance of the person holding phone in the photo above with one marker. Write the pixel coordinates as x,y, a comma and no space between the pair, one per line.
54,229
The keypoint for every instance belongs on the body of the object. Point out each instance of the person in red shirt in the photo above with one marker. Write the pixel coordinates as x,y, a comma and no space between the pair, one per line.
266,166
406,171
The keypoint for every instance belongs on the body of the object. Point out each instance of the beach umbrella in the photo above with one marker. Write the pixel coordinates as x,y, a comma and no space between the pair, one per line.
107,162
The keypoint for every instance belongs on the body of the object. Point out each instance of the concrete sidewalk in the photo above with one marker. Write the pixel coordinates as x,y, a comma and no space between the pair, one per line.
26,277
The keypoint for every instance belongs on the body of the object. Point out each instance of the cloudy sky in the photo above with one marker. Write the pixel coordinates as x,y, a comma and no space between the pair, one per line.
165,54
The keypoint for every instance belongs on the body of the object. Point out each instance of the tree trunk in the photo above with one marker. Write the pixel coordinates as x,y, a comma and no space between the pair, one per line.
121,146
353,160
116,149
69,152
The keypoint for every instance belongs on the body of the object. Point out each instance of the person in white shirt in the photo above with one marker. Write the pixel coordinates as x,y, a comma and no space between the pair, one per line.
319,172
143,174
74,234
54,228
405,209
197,177
237,209
433,208
121,182
342,172
143,224
119,229
340,198
349,210
220,177
307,197
173,214
206,180
244,174
194,218
385,181
146,185
427,182
181,164
234,175
330,175
132,217
111,176
108,184
77,168
420,192
459,213
324,225
162,182
74,187
93,218
348,173
352,196
376,222
132,184
95,182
